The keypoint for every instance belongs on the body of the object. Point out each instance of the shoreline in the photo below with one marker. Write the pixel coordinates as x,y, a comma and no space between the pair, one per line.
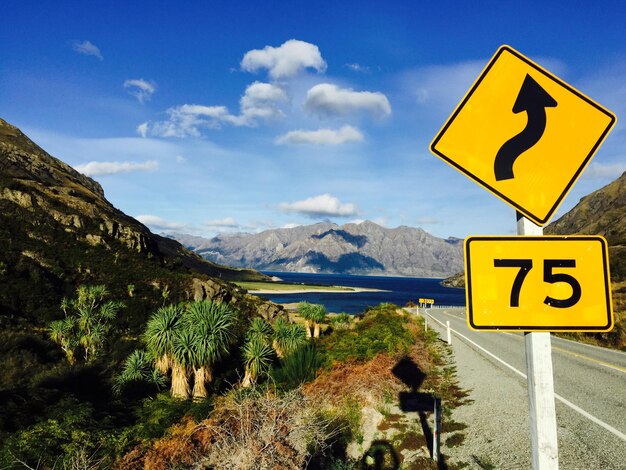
304,290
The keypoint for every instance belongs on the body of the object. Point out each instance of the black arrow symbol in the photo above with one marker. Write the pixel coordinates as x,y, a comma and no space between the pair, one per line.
534,100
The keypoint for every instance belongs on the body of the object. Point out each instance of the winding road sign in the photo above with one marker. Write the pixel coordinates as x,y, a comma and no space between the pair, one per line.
523,134
545,283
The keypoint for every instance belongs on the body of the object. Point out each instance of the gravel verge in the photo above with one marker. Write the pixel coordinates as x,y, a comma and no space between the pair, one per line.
497,436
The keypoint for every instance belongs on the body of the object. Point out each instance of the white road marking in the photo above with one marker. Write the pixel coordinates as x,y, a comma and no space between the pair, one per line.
566,402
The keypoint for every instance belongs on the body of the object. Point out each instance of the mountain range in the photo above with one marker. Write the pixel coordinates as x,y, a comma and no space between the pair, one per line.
354,248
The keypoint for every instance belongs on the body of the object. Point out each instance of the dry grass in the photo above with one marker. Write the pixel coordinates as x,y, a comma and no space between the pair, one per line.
369,381
249,430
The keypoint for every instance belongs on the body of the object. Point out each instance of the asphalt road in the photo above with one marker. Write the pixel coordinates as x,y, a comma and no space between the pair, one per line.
590,384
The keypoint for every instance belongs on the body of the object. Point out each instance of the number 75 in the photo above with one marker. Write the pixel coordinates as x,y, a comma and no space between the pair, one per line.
525,265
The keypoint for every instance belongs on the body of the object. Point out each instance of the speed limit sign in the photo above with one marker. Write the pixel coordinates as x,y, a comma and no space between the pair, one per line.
548,283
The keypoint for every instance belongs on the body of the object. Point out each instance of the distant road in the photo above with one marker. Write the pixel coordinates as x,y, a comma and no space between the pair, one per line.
590,383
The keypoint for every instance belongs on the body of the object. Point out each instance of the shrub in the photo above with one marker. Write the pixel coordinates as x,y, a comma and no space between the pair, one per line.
267,431
381,330
341,321
297,368
248,429
71,430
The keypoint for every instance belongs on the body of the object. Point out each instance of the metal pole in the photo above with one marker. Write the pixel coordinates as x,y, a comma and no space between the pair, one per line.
543,437
437,426
448,334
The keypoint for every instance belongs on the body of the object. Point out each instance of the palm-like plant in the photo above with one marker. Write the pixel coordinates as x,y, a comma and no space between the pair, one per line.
304,309
159,335
288,337
183,353
138,368
312,313
259,328
94,317
211,326
161,330
257,354
87,323
62,332
317,315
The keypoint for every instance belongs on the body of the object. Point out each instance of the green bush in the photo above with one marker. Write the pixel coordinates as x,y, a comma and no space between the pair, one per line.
70,429
299,367
381,330
341,321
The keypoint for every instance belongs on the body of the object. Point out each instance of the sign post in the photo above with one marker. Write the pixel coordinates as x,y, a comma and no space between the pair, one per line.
542,412
526,136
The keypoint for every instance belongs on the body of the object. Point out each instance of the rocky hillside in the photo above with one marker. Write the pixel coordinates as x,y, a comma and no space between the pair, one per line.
57,230
456,281
602,212
365,248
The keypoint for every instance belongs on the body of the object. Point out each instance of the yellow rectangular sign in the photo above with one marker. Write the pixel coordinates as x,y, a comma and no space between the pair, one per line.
426,301
547,283
523,134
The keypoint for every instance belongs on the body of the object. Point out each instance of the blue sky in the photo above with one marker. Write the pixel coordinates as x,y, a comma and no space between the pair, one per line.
205,117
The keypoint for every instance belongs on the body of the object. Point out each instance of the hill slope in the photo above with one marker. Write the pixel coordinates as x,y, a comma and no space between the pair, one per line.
57,230
602,212
365,248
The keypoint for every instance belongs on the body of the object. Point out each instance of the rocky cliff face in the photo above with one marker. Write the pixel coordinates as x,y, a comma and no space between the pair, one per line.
58,230
365,248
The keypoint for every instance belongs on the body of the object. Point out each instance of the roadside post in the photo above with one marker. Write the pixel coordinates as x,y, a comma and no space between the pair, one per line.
531,283
437,427
448,333
542,412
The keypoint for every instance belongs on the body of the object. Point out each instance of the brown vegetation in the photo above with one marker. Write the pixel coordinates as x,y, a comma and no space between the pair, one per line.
247,430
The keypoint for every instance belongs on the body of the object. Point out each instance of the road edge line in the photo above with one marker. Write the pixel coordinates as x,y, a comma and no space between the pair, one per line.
565,401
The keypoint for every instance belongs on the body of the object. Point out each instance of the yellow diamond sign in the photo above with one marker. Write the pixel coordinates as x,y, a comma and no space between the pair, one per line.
523,134
551,283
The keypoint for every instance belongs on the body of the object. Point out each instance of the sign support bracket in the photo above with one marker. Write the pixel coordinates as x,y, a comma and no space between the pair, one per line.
542,412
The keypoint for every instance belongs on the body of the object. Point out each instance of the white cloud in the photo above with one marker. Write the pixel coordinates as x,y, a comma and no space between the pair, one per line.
322,136
140,89
320,206
111,168
142,129
87,48
326,99
603,171
206,229
260,102
359,68
286,60
180,159
158,224
187,120
227,222
291,225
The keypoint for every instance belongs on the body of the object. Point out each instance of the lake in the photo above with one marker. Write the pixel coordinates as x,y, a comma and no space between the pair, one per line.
400,291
